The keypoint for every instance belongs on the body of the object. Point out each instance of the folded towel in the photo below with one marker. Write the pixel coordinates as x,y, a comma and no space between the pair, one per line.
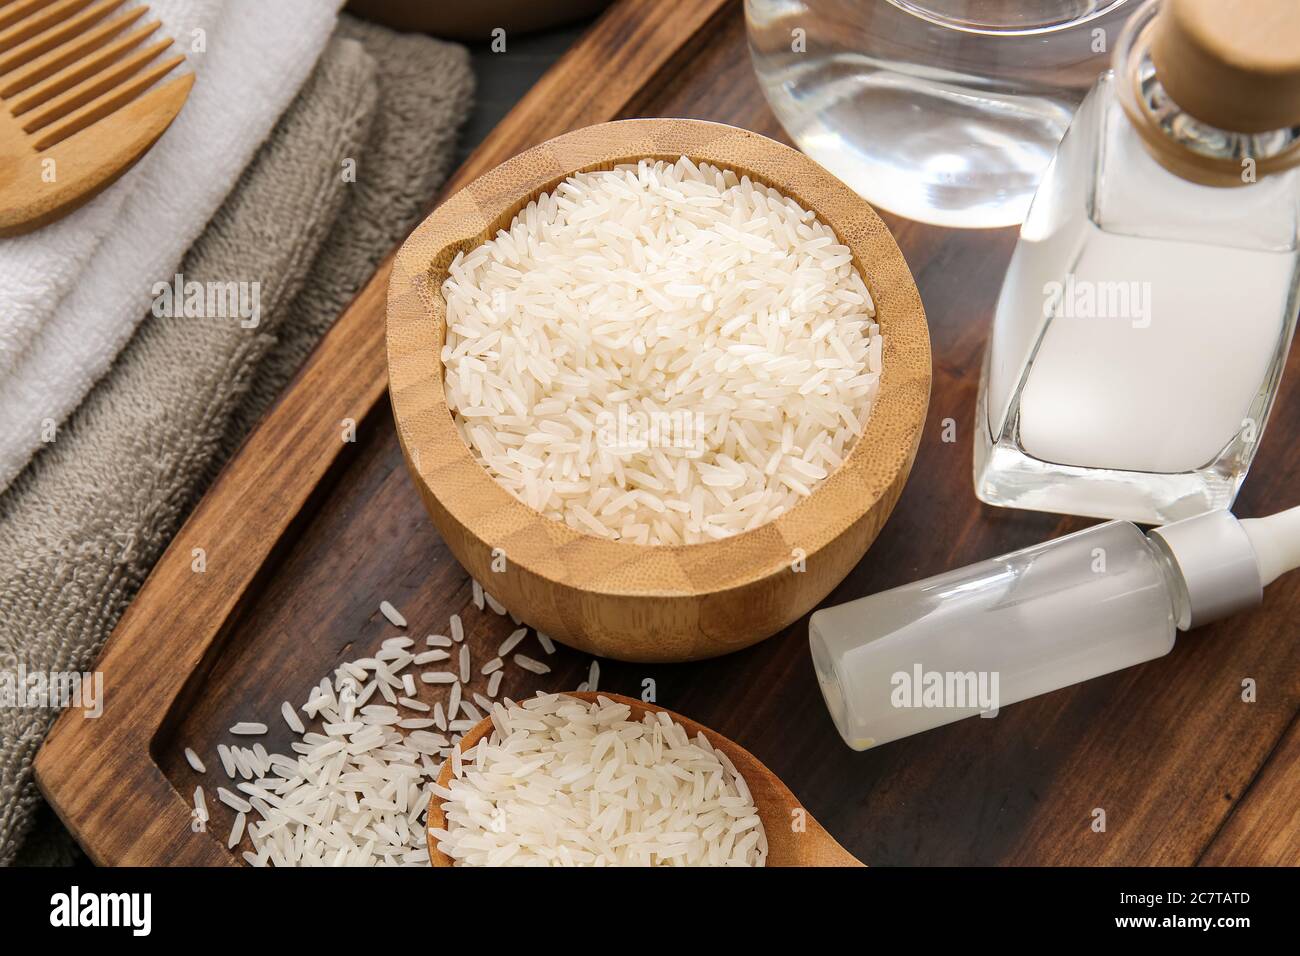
39,269
74,291
80,528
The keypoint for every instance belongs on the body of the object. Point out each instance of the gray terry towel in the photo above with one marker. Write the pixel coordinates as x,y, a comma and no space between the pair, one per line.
82,526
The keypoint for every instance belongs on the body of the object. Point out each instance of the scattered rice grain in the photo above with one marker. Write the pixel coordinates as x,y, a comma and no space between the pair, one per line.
394,616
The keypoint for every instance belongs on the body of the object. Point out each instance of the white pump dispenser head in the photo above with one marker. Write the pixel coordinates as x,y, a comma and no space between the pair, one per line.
1225,563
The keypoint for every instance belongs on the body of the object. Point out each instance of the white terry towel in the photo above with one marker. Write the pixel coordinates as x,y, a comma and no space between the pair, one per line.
37,270
72,292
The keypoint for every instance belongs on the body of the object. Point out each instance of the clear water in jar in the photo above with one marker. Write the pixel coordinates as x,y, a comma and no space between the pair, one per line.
943,111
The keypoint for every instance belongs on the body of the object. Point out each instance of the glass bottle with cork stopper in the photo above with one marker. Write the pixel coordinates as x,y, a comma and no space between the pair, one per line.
1140,335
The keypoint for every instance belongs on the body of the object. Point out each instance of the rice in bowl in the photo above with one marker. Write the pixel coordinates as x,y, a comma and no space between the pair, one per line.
663,353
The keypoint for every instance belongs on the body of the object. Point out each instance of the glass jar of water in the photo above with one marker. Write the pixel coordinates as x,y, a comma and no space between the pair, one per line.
944,111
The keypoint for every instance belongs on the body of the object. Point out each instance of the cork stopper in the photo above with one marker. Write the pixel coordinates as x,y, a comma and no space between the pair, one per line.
1234,64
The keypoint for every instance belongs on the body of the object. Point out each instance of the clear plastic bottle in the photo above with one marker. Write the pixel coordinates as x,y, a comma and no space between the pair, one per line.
1145,319
1000,631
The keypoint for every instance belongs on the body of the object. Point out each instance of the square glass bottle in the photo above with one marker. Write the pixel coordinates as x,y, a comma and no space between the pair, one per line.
1140,335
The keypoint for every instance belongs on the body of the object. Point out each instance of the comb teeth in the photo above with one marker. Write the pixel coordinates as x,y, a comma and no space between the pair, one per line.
25,10
66,64
69,40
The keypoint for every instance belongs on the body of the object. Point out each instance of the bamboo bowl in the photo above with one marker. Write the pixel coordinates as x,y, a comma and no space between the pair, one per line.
652,602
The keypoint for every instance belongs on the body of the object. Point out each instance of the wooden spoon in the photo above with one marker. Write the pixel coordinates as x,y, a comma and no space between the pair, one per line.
808,845
78,103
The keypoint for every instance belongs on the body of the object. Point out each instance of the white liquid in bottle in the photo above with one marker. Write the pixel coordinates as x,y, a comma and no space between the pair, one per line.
1168,386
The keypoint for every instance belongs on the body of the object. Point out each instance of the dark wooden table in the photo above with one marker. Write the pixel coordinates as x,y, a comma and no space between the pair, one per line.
305,537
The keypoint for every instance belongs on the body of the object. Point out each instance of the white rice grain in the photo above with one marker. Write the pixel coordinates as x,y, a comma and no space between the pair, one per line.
291,717
394,616
453,701
533,666
227,761
511,642
232,801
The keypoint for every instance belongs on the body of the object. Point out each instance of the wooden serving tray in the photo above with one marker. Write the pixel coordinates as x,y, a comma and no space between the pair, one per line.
304,534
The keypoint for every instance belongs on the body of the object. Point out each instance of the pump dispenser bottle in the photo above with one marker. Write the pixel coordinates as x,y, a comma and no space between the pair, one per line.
997,632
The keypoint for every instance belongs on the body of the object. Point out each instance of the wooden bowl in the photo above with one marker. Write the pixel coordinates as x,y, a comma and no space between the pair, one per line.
653,602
